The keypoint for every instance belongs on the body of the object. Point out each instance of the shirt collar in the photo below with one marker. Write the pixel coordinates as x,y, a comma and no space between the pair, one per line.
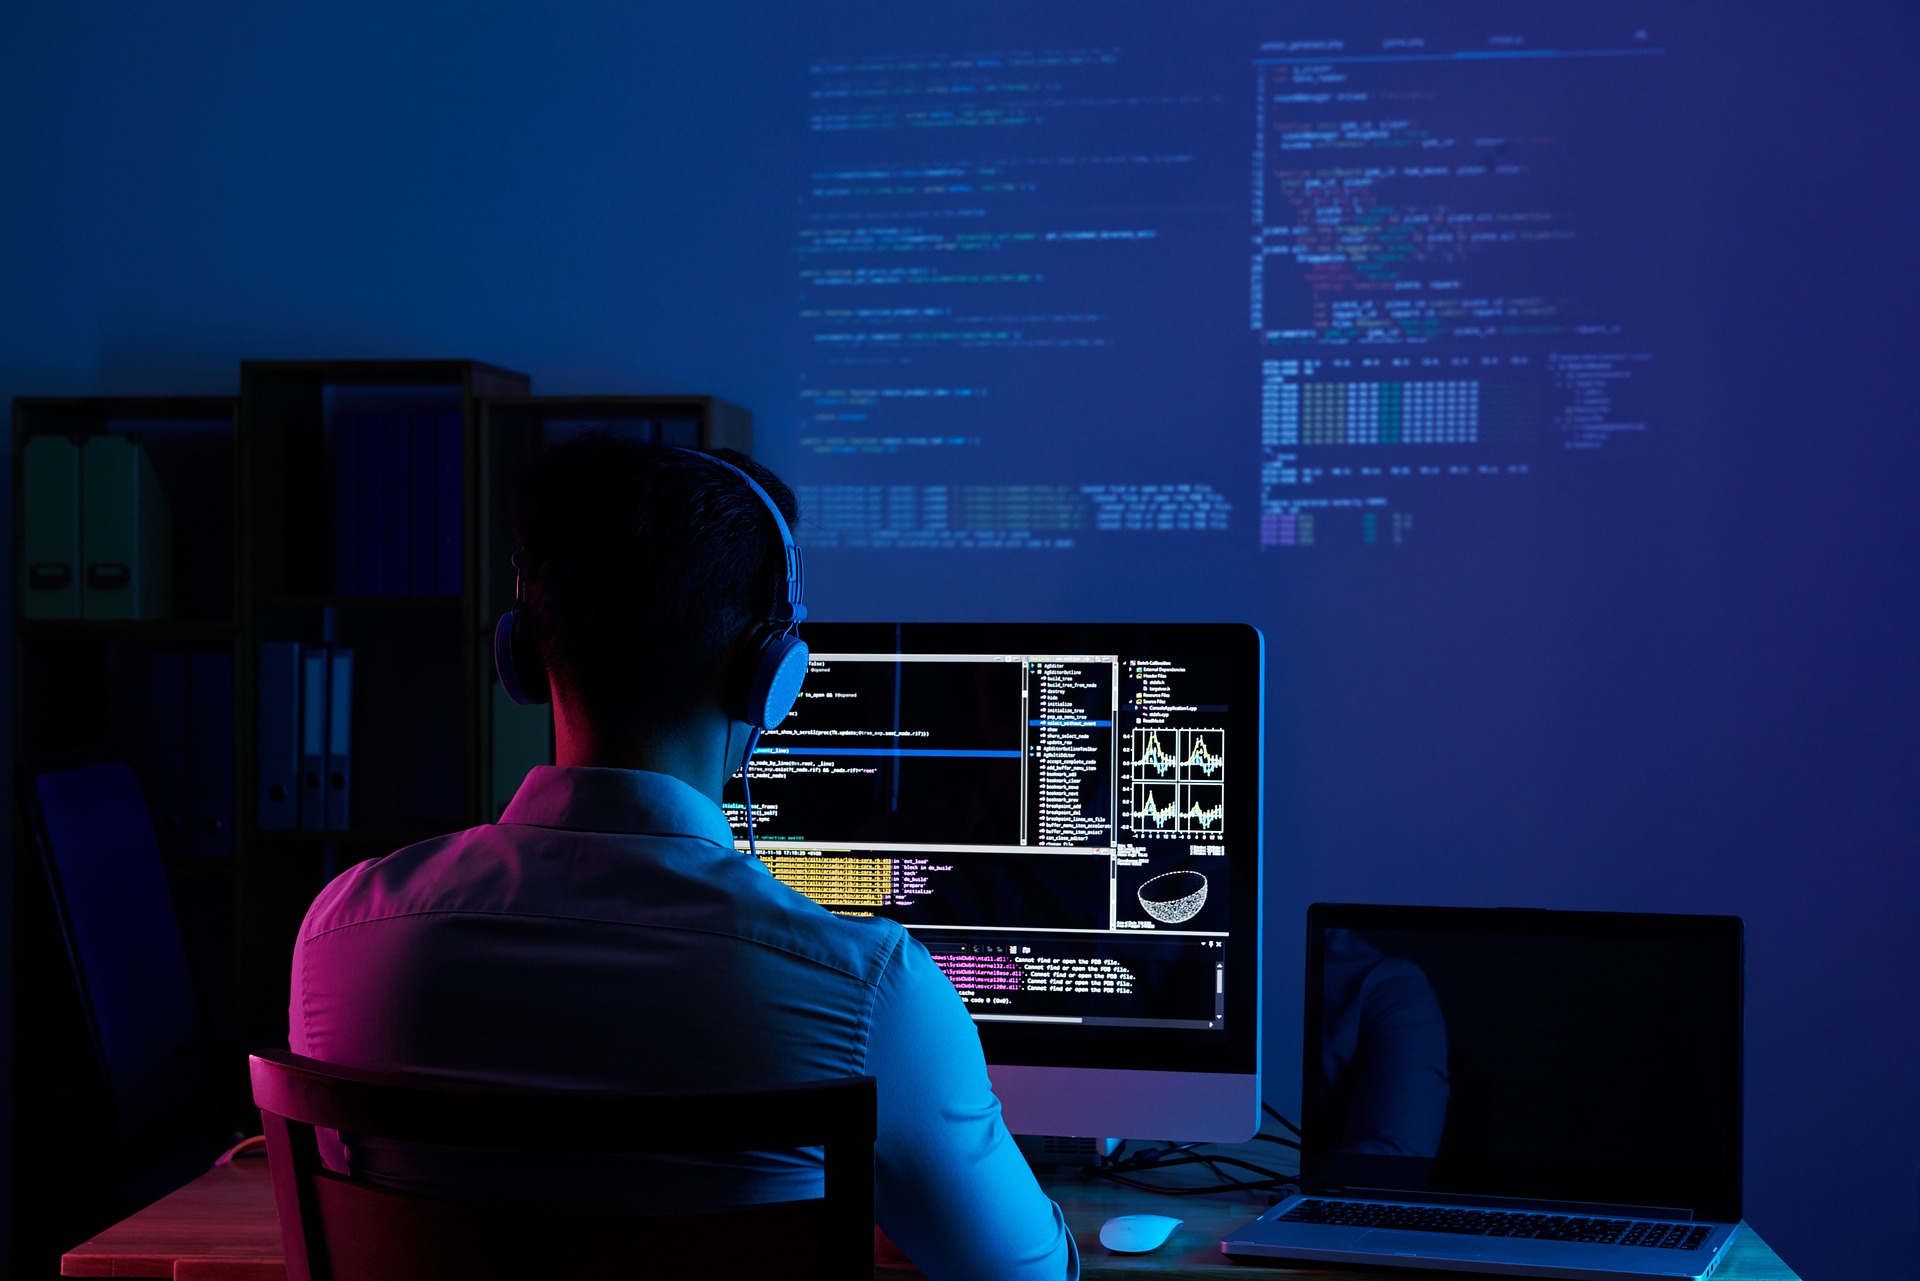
584,798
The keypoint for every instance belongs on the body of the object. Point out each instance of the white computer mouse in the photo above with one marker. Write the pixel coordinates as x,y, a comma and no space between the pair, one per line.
1137,1233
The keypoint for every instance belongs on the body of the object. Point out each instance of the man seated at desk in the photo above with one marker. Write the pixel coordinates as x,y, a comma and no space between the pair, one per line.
605,934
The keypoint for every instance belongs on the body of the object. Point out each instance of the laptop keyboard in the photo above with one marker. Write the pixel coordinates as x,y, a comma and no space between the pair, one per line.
1500,1223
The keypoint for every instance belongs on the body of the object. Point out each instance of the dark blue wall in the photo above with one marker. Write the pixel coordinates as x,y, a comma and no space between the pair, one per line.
1677,676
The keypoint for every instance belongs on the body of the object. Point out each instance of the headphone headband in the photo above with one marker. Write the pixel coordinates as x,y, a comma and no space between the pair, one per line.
769,676
789,611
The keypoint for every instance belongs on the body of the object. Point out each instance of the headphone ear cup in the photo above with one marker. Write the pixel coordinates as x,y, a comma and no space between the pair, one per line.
517,662
773,687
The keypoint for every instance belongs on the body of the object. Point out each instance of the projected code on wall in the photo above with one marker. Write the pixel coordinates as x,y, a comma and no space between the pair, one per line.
1432,306
976,232
1010,265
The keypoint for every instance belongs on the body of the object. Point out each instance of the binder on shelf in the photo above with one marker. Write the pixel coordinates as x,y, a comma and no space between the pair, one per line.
313,738
398,478
349,428
423,474
126,533
395,528
210,756
279,730
448,506
168,752
50,528
522,738
370,455
339,737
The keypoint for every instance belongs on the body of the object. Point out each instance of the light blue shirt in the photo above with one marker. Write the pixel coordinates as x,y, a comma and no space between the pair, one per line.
606,935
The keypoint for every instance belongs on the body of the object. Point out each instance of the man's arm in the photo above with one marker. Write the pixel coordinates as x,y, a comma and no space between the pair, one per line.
950,1187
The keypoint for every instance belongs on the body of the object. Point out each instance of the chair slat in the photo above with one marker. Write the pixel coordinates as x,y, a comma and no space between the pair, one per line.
337,1228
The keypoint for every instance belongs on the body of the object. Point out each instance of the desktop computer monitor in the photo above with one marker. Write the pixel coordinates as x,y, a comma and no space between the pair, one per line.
1068,816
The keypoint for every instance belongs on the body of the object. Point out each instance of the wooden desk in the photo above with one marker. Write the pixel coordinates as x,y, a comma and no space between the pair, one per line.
222,1227
1193,1251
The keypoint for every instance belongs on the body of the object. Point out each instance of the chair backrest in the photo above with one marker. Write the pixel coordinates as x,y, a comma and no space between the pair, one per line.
338,1228
96,841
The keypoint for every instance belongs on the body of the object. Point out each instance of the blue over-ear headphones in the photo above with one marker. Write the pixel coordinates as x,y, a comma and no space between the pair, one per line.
764,681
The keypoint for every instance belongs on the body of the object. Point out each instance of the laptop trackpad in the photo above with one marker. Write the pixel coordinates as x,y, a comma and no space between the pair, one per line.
1441,1245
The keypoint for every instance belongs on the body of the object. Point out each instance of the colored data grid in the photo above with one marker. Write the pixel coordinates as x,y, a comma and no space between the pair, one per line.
1028,516
1286,529
1376,413
835,882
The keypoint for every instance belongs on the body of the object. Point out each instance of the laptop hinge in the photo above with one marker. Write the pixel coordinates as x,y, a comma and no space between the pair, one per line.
1592,1209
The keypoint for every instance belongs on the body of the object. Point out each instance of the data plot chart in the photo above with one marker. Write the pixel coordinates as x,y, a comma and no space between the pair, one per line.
1178,809
1179,781
1203,754
1169,755
1156,809
1156,754
1204,807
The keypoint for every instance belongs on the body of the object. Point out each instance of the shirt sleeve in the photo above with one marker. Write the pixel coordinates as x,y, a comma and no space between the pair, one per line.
950,1187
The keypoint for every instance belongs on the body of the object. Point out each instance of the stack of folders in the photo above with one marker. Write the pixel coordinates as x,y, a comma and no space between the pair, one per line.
397,483
306,729
96,535
189,750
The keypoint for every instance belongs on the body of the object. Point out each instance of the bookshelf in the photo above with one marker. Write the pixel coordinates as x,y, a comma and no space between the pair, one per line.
82,685
415,753
258,488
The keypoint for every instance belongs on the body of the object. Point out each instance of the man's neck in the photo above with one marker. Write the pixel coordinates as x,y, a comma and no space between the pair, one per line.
702,750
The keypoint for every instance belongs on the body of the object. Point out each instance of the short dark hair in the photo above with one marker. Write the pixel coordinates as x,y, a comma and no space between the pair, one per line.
643,564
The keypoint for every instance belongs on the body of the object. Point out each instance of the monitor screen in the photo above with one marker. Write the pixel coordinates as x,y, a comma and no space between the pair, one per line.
1068,817
1567,1056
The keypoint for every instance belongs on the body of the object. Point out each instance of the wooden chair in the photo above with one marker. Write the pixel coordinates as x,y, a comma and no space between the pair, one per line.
338,1228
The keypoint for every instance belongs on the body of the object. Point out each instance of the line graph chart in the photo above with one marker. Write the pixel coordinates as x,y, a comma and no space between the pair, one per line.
1203,753
1178,809
1178,779
1167,755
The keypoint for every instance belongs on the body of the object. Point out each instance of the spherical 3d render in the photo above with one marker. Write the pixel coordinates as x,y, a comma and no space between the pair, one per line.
1173,898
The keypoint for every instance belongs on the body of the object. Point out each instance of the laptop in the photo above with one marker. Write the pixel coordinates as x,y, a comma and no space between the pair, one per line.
1535,1093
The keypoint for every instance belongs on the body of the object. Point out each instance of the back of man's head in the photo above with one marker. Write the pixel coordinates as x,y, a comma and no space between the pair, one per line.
643,566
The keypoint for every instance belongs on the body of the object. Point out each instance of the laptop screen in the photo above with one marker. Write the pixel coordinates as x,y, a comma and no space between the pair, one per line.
1554,1056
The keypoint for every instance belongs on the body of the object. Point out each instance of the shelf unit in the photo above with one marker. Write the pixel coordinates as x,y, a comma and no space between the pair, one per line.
415,747
251,485
82,686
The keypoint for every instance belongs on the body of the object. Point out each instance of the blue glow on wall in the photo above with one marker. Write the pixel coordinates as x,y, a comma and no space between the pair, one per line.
1536,380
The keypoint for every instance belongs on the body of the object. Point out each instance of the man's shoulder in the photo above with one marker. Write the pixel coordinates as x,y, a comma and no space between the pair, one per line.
431,875
602,882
